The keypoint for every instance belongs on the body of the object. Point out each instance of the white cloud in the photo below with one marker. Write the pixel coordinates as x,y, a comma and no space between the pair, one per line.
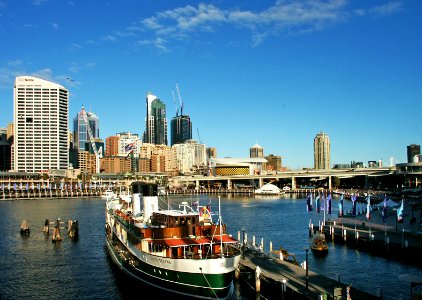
284,17
387,9
55,26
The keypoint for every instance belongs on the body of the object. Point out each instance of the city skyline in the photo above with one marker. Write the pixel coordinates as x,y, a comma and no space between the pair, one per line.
273,73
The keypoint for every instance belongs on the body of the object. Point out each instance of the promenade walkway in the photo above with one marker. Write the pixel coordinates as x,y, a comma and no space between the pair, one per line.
399,241
274,271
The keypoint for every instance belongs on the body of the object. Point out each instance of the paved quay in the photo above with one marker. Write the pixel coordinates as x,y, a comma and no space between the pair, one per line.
273,270
400,241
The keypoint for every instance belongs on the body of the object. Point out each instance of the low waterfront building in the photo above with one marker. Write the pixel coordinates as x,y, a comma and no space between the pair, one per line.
237,166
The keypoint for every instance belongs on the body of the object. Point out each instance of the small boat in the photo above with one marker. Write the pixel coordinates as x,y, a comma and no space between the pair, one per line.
319,245
180,250
109,195
269,189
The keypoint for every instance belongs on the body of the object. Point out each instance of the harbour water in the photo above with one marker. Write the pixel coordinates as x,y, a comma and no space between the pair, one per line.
32,267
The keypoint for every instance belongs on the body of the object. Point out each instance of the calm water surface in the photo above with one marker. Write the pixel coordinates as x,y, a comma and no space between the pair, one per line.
35,268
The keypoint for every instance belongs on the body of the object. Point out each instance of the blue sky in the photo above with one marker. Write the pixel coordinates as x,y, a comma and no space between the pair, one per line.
268,72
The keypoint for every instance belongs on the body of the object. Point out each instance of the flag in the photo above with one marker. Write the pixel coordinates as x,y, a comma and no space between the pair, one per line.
311,200
368,208
329,203
195,205
209,207
14,186
129,148
400,213
340,206
322,201
308,202
354,204
317,203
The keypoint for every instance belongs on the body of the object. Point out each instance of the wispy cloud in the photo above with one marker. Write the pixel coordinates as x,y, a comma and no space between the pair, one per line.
17,67
55,26
387,9
284,17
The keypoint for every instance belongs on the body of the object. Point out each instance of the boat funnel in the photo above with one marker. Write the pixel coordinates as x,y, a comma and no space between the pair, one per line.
148,193
136,204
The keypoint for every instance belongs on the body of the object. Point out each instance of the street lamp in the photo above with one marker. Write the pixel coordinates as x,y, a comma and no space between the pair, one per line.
283,287
307,279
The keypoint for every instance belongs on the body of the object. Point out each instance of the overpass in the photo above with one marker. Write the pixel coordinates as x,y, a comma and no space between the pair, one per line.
291,177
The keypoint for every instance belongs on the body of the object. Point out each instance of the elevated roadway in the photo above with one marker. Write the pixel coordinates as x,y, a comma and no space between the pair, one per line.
291,177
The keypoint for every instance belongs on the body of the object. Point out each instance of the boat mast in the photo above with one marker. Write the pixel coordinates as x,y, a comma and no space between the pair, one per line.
221,229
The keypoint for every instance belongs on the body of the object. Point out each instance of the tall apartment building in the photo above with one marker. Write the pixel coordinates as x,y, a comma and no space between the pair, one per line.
41,113
112,146
413,153
321,151
256,151
156,121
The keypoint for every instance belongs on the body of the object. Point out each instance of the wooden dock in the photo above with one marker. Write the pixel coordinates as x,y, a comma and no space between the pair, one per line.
298,285
386,238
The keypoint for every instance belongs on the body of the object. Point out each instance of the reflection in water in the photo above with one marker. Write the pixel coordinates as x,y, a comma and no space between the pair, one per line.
34,267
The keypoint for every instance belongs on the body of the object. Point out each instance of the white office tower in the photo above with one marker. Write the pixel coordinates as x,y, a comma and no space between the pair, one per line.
41,110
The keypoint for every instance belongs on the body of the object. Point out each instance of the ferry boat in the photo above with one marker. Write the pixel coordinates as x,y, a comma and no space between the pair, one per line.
269,189
182,250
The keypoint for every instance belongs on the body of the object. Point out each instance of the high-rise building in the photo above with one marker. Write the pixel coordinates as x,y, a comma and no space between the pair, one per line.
156,121
41,120
112,146
321,151
413,152
256,151
5,151
181,129
274,162
80,130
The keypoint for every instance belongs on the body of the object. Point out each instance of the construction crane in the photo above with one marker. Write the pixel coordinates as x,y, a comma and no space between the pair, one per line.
199,137
174,100
180,99
98,154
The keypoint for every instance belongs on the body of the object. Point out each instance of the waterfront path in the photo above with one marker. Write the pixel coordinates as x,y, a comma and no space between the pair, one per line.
400,241
274,270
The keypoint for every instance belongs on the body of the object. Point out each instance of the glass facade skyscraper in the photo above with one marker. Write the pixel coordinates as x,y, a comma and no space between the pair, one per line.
181,129
80,131
156,121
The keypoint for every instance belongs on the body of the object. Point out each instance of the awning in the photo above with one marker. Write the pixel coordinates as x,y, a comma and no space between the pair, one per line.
179,242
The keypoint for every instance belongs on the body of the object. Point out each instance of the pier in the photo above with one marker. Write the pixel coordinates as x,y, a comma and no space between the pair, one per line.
388,238
279,279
